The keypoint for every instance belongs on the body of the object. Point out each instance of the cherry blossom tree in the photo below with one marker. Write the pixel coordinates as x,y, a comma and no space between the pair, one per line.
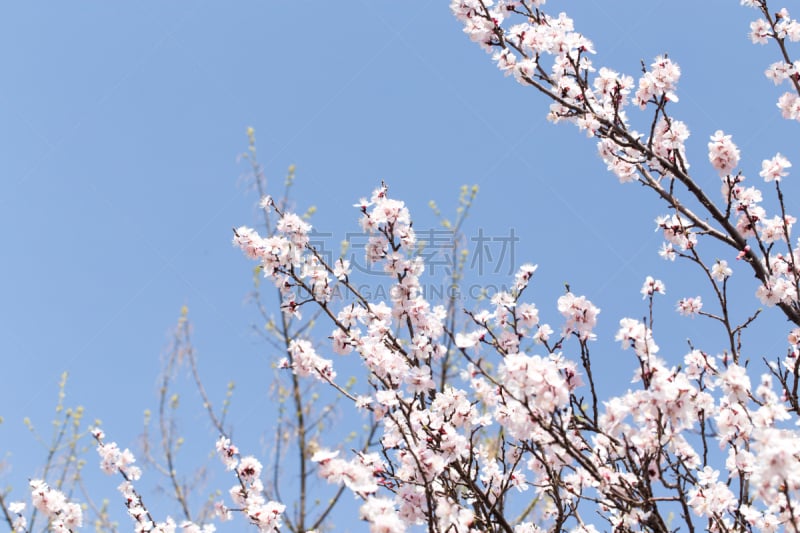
497,422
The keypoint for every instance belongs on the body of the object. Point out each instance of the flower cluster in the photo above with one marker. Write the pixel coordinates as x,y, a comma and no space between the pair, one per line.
782,28
643,438
63,515
114,461
248,493
722,153
437,464
359,475
429,433
471,423
690,306
752,221
19,523
285,260
595,101
632,455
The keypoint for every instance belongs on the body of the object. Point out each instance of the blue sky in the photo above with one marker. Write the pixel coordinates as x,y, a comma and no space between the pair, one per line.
120,127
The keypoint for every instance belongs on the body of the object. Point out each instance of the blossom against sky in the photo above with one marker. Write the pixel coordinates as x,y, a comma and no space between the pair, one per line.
121,127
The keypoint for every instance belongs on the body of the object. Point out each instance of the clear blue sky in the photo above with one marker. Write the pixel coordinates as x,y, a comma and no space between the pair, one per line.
120,127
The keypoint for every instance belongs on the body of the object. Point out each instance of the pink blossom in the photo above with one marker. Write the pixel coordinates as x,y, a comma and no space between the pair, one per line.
295,228
249,469
786,27
222,512
633,333
789,104
711,498
306,362
617,161
580,313
419,379
721,271
266,516
690,306
63,514
772,230
362,204
779,72
381,515
363,402
543,334
794,337
660,81
524,70
722,153
227,452
760,31
776,289
736,383
535,377
113,460
524,275
669,142
677,231
775,168
468,340
527,315
613,88
506,61
652,286
19,523
667,252
249,241
341,269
